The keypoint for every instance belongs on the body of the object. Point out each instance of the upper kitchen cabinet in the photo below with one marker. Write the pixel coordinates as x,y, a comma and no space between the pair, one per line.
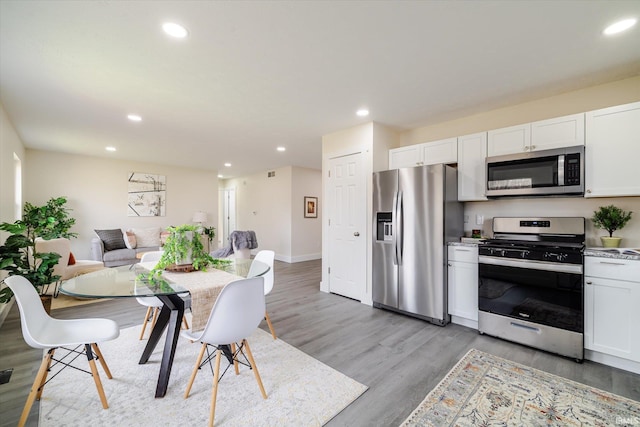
428,153
558,132
472,173
612,151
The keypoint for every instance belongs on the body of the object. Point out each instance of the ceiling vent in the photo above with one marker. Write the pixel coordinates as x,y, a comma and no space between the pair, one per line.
271,174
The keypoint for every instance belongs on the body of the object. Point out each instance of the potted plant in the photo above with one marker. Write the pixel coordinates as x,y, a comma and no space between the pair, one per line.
610,218
183,251
18,255
210,232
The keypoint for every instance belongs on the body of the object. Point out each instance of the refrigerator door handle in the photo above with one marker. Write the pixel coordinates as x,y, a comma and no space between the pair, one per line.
399,228
394,227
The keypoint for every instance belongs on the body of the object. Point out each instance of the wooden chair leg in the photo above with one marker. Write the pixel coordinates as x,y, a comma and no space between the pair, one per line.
96,376
46,373
37,383
254,367
195,370
214,391
273,331
156,311
235,362
144,323
103,362
185,324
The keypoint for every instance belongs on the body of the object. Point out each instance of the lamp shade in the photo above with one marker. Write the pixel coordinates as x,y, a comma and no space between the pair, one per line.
199,217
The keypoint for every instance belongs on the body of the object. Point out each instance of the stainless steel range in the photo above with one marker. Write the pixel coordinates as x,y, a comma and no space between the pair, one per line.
531,283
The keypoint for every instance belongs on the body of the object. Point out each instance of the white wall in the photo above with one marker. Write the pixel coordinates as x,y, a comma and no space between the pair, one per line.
10,143
272,207
306,233
96,189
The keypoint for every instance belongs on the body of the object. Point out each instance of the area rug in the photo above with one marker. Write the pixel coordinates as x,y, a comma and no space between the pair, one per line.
301,390
485,390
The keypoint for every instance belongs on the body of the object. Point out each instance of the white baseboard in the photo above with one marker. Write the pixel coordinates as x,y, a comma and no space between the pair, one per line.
473,324
616,362
298,258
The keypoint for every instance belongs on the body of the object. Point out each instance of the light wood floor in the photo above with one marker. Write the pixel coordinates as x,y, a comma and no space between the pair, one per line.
400,358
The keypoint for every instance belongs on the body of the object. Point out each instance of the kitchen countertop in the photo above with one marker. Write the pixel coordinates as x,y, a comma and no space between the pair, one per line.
609,253
466,243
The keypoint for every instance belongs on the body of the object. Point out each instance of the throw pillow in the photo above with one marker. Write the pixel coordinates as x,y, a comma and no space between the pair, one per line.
112,239
72,259
130,240
147,237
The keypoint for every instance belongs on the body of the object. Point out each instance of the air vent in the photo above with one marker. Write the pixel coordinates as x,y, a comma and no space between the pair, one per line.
271,174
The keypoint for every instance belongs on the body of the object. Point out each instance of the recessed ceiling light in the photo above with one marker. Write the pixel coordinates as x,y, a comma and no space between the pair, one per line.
281,149
363,112
620,26
228,165
134,118
220,176
175,30
110,148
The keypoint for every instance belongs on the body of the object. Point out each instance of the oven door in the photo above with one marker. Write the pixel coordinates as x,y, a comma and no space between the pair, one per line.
537,292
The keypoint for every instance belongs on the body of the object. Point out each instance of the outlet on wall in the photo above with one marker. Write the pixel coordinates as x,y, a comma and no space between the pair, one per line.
479,219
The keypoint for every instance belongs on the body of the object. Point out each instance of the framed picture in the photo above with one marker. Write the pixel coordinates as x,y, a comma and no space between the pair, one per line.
310,207
146,194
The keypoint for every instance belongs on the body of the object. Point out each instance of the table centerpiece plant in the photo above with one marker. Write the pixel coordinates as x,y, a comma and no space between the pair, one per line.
610,218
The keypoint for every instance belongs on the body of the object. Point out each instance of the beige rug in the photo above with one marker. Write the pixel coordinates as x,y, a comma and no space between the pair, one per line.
485,390
301,390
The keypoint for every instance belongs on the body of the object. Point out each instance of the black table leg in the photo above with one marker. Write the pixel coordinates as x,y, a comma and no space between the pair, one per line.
171,317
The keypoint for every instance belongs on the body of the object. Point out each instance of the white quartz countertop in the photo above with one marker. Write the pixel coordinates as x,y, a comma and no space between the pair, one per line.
616,253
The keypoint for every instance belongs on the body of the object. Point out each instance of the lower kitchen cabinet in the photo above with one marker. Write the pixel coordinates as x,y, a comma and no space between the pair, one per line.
612,314
462,273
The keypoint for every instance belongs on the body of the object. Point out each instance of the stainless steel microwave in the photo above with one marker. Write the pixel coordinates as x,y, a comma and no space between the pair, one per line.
557,172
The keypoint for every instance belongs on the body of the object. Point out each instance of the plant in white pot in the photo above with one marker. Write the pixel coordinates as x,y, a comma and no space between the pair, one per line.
610,218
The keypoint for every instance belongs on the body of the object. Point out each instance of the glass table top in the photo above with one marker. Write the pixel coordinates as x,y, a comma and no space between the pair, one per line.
129,281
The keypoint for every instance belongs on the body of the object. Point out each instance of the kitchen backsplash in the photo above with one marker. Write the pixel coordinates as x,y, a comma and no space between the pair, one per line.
561,206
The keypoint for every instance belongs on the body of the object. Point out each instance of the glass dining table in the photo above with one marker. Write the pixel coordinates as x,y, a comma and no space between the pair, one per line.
170,288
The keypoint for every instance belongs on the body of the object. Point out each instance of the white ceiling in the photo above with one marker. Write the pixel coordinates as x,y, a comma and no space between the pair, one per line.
255,75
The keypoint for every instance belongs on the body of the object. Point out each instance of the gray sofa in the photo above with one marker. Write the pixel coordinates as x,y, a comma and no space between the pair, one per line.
116,257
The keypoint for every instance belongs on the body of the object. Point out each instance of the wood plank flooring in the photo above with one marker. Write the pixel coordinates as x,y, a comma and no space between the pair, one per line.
400,358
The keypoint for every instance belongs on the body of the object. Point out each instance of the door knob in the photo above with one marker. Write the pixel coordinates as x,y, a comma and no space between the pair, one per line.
356,234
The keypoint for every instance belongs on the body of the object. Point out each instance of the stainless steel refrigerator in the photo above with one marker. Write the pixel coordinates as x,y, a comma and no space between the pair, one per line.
415,213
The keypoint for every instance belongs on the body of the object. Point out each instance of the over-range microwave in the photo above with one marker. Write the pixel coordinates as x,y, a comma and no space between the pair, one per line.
557,172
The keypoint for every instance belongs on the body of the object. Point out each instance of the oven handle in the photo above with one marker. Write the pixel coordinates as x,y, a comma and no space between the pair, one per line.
530,264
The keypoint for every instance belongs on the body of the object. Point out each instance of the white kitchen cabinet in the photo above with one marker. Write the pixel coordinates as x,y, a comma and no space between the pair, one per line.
559,132
472,172
405,157
428,153
444,151
514,139
462,280
612,151
612,298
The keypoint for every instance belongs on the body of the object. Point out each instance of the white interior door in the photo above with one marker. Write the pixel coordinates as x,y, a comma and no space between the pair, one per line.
347,222
229,214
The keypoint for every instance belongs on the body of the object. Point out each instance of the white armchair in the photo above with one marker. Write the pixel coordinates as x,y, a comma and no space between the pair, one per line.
66,269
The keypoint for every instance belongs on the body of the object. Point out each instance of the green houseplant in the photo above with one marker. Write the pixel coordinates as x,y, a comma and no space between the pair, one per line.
18,254
610,218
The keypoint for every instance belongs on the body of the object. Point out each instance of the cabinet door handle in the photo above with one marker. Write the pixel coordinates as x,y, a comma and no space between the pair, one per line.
449,264
589,283
612,263
462,250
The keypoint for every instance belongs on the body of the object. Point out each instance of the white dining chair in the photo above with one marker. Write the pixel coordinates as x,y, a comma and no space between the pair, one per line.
153,304
266,257
235,315
44,332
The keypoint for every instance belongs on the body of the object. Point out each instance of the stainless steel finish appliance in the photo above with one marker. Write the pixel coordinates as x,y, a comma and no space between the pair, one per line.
531,283
415,213
558,172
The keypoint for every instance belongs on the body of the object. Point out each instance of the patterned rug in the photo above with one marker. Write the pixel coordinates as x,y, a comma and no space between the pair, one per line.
301,390
485,390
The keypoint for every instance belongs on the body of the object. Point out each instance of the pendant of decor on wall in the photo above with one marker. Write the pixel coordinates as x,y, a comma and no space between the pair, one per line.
147,194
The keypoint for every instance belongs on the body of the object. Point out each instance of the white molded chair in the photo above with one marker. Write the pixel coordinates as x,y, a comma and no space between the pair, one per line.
42,331
153,303
237,312
265,257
